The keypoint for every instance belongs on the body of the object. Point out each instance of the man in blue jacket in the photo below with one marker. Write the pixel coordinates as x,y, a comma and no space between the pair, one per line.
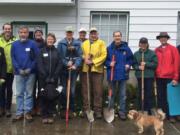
23,53
71,55
121,64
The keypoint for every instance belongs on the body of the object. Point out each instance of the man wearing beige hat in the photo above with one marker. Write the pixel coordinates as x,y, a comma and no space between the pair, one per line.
167,70
71,55
94,55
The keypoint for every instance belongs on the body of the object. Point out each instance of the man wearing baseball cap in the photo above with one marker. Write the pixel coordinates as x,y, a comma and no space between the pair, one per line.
71,55
82,35
94,55
167,70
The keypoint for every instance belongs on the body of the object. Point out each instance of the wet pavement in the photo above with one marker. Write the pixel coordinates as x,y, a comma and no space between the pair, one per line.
78,126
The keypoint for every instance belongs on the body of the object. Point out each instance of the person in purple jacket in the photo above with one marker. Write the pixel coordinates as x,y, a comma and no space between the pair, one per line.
23,53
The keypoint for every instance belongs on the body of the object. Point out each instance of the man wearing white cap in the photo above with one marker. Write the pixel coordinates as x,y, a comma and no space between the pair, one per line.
82,35
94,55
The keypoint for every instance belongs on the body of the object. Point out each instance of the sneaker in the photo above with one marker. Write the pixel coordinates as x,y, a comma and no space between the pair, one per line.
2,112
28,117
8,113
63,114
50,121
45,121
172,120
17,118
122,116
178,118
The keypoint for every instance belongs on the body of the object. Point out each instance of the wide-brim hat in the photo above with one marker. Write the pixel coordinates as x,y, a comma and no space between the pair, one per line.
163,34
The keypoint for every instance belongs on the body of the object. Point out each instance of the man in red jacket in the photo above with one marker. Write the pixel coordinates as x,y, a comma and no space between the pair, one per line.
167,70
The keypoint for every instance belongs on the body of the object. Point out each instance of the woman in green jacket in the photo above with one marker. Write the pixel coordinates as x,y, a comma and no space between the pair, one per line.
145,61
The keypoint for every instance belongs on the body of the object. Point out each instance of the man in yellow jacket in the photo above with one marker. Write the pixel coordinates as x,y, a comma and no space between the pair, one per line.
6,39
94,55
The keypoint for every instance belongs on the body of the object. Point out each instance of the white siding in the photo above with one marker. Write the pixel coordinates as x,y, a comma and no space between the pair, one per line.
147,18
57,17
35,1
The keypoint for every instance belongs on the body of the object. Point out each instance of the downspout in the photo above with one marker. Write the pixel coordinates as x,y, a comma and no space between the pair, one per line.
77,16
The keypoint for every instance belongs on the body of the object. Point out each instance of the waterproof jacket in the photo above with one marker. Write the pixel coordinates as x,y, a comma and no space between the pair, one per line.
123,56
2,64
150,59
24,55
98,51
66,55
49,63
7,51
168,62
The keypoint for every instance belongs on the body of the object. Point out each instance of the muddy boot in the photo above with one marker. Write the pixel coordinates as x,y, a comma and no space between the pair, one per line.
63,114
2,112
8,113
45,121
28,117
17,118
50,121
122,116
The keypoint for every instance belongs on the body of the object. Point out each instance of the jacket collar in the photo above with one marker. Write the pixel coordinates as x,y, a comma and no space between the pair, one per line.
122,46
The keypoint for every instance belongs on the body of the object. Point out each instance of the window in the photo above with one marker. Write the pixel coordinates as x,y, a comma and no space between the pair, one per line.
178,30
32,27
108,22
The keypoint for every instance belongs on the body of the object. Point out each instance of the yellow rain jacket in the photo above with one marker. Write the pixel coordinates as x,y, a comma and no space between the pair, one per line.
7,51
98,51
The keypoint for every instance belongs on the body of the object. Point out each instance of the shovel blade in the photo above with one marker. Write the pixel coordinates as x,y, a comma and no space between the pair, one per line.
108,115
90,115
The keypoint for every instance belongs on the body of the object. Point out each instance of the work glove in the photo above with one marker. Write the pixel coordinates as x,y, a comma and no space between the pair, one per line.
22,72
2,81
27,71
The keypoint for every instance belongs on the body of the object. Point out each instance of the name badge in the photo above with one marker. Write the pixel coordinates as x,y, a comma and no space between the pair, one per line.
45,54
27,49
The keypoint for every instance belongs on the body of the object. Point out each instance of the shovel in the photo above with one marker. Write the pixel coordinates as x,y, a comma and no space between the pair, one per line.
109,112
89,112
142,86
68,95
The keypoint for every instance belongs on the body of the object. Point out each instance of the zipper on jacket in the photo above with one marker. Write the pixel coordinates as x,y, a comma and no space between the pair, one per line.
50,62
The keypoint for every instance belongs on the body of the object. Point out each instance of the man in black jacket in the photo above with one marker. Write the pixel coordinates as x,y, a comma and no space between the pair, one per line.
2,68
40,42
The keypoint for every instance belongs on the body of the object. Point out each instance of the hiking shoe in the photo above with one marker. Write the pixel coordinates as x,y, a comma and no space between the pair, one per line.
2,112
122,116
63,114
50,121
45,121
17,118
28,117
8,113
172,120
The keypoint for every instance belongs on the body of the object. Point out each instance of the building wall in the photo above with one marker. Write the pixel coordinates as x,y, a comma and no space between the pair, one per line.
147,18
57,17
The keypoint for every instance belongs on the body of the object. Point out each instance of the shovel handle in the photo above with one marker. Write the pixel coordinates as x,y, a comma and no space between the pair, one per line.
112,68
68,95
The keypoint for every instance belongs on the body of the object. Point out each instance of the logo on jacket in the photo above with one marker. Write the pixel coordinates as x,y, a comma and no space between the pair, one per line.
124,53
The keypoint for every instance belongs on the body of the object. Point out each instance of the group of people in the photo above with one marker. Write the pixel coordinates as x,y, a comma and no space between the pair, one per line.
39,68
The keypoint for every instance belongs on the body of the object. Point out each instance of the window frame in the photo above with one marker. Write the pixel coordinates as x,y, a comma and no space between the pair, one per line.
109,14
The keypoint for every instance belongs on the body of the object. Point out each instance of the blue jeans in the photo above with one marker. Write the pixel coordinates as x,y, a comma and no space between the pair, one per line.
122,95
24,93
64,78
